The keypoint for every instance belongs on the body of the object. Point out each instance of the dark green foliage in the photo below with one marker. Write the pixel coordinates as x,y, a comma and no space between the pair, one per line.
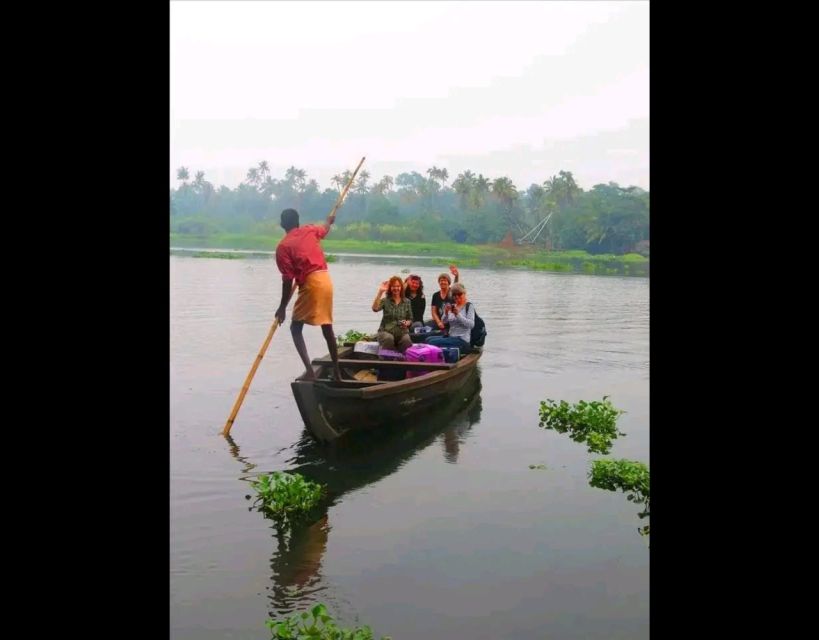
352,336
594,423
316,625
286,497
632,478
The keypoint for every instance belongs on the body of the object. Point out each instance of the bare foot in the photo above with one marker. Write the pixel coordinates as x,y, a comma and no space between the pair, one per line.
309,375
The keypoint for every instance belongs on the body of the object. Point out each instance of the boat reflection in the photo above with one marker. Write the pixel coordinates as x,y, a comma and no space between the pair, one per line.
346,466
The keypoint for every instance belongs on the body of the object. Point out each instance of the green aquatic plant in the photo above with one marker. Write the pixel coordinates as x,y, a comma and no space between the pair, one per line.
316,625
286,497
594,423
630,477
352,336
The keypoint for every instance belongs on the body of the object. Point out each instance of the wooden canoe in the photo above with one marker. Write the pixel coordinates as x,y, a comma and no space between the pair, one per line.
331,409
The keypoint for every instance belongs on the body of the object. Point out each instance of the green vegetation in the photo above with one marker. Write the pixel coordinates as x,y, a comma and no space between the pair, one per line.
415,208
316,625
462,262
380,247
353,336
631,264
630,477
445,253
591,422
226,241
220,255
286,497
595,424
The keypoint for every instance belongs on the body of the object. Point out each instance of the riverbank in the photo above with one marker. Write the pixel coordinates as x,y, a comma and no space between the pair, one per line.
443,253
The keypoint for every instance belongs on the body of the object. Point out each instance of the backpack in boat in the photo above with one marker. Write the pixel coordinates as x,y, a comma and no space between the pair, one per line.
478,335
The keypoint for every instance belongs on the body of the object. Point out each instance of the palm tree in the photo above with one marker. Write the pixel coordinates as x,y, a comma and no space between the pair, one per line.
253,176
434,174
384,185
338,180
183,175
264,170
443,174
561,189
361,183
506,193
268,187
296,178
301,179
480,191
463,186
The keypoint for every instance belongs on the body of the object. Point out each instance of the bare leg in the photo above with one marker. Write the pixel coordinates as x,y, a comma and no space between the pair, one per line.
298,340
327,330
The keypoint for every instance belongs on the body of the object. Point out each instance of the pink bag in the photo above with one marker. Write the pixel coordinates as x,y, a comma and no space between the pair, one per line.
423,353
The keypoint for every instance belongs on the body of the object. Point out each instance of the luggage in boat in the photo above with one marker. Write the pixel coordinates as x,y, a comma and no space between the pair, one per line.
391,374
367,348
423,353
451,354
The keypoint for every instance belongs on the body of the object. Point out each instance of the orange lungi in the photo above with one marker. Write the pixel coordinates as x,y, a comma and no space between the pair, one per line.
315,302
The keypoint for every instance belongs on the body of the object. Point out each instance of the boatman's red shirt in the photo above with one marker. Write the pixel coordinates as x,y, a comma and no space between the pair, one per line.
299,253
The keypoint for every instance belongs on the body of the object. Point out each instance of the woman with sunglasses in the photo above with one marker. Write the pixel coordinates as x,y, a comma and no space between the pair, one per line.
461,319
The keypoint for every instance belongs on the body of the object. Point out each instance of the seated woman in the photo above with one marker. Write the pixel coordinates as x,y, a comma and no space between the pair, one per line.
393,333
415,294
460,318
441,298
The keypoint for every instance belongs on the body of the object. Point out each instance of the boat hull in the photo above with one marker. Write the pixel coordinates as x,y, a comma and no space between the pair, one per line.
330,409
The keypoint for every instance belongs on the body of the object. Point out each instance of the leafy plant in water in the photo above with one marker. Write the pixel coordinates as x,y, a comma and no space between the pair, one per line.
591,422
316,625
286,496
630,477
352,336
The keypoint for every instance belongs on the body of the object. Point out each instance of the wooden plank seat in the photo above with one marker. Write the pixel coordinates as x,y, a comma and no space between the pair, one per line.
385,364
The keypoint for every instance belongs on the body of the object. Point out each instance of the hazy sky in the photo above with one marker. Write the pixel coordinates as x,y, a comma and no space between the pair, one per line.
517,89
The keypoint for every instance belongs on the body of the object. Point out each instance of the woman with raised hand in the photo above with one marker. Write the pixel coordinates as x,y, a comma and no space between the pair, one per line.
393,333
441,298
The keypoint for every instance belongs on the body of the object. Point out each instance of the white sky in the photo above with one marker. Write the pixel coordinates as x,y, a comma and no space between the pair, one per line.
517,89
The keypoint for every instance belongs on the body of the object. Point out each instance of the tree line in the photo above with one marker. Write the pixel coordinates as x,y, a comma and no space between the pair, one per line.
556,214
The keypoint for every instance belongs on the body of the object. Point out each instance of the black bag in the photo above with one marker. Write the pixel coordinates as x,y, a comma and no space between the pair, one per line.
478,335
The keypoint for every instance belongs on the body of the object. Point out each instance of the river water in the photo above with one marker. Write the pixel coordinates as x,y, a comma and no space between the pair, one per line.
438,531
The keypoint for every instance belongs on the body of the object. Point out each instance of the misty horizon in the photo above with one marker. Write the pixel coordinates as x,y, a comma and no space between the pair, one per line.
515,89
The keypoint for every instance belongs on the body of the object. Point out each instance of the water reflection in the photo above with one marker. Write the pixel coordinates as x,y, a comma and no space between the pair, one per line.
367,457
234,451
346,466
296,566
454,435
